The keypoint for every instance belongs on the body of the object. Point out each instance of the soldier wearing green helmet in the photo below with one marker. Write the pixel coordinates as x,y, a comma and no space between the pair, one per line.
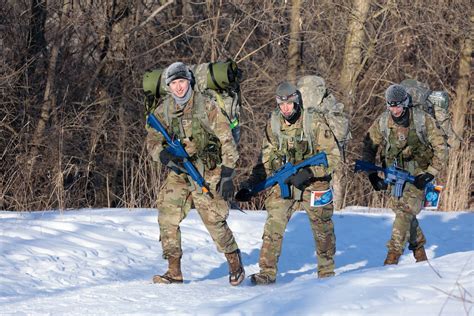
396,132
287,141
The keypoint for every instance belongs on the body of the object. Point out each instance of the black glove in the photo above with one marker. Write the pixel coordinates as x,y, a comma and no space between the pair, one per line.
225,187
422,180
377,183
243,195
166,157
301,179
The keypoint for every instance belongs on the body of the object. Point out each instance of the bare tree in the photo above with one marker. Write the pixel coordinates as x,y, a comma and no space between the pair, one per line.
294,46
49,97
71,97
353,51
463,93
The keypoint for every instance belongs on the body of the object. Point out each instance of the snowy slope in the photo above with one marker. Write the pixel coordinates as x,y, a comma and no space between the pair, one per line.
101,262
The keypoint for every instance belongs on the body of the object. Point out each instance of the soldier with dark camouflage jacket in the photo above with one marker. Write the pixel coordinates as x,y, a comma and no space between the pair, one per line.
202,128
394,131
286,141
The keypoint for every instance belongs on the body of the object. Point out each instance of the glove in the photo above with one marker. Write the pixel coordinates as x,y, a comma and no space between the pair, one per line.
166,157
243,195
377,183
225,187
422,180
301,179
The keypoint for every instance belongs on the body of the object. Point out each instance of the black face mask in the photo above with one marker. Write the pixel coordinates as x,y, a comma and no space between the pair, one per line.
295,115
404,119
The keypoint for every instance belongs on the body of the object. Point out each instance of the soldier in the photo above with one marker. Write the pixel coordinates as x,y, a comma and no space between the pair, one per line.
286,142
395,131
203,130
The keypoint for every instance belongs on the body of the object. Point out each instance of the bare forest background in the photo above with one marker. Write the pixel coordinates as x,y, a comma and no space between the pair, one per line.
71,105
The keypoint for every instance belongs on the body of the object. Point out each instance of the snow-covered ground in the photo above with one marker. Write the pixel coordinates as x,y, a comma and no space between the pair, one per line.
101,261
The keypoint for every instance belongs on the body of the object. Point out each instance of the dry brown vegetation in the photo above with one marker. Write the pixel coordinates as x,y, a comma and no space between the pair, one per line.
72,116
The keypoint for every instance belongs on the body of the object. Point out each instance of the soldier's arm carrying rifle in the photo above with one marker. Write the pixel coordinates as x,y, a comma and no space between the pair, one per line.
286,171
176,149
393,175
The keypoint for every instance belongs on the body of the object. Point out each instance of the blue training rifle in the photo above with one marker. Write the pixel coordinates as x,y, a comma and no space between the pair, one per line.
286,171
176,149
393,175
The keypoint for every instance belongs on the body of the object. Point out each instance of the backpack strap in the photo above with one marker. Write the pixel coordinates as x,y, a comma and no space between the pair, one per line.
231,111
221,104
308,116
167,104
420,124
384,130
200,112
275,124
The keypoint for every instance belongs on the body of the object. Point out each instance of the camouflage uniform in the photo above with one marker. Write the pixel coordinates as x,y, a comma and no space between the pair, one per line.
404,146
206,135
294,147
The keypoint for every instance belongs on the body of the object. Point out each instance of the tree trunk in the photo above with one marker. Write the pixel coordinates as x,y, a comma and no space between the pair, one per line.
459,170
355,39
351,67
460,108
294,46
36,39
49,98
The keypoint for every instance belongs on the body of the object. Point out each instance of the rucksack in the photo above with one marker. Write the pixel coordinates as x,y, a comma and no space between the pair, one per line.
317,100
424,100
219,80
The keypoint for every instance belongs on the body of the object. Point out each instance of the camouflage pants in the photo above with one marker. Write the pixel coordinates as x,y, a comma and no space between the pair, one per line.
405,227
279,213
175,201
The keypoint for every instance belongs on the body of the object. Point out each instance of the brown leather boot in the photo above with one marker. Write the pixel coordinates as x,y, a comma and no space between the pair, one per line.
236,269
173,275
420,254
323,275
392,258
262,279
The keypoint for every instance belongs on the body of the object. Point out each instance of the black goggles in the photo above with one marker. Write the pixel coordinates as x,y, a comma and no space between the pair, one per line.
287,98
397,103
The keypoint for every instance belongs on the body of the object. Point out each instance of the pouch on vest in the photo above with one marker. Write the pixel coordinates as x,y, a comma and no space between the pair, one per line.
208,145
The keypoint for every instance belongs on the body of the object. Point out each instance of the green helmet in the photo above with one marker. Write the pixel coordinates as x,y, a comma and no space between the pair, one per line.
287,92
396,95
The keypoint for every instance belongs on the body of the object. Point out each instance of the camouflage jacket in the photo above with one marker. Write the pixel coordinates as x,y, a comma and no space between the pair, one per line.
404,146
198,121
292,145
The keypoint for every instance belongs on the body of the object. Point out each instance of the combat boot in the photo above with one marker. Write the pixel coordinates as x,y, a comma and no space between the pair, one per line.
323,275
420,254
392,258
262,279
236,269
173,275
